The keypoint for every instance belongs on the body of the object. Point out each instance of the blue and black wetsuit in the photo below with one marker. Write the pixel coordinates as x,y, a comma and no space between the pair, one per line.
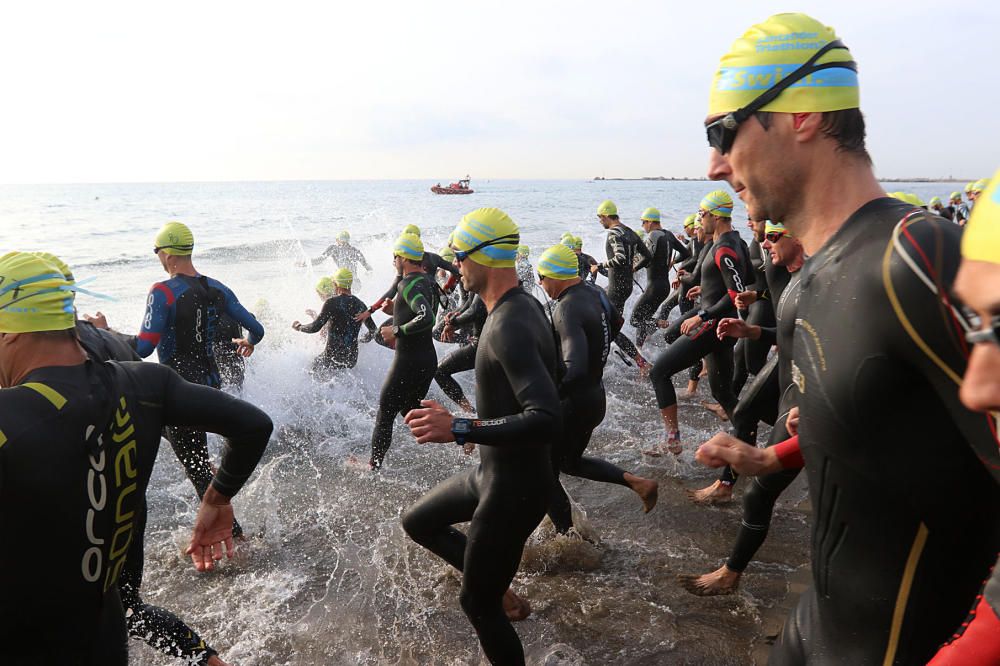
906,513
77,447
722,274
414,361
585,323
180,323
472,319
506,495
662,245
342,333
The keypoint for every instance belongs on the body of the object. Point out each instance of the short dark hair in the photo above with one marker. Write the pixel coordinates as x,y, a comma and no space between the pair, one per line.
846,127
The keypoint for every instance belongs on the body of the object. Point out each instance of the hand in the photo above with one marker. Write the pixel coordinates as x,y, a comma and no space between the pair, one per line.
243,347
594,268
681,272
431,423
387,333
387,307
98,320
362,316
675,284
694,292
662,323
724,449
296,325
792,422
745,299
311,312
734,327
690,324
681,237
447,333
213,529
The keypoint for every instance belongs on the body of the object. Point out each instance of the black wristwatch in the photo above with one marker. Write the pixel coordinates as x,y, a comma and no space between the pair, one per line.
461,428
703,314
395,331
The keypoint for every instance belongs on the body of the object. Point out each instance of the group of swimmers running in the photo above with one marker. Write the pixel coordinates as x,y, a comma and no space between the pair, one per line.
862,327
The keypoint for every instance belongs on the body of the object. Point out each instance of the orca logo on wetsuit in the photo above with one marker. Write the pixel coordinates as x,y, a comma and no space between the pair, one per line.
736,274
93,558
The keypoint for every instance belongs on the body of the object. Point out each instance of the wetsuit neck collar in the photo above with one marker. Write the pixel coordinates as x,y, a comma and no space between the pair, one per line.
513,291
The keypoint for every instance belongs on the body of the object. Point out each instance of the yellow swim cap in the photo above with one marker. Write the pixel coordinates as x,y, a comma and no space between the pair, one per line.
771,227
175,238
523,250
981,185
490,236
969,186
770,51
447,253
577,243
934,200
412,229
344,235
343,278
408,246
650,215
325,287
718,203
955,196
690,220
607,208
981,240
559,263
36,293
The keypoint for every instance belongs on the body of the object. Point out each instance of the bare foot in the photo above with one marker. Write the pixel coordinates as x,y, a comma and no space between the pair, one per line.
515,607
656,450
692,388
646,489
704,371
674,443
717,493
716,409
215,661
644,366
720,581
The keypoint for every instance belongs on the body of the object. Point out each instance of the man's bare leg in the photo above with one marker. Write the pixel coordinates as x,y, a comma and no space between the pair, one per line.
673,441
646,489
720,581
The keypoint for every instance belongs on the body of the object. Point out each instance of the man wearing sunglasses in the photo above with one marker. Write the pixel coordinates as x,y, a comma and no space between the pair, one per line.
977,640
519,417
906,519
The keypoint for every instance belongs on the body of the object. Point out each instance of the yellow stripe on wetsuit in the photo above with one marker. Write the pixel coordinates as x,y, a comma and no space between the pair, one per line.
916,550
48,393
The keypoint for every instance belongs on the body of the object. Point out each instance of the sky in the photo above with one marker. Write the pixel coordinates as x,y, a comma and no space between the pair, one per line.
223,91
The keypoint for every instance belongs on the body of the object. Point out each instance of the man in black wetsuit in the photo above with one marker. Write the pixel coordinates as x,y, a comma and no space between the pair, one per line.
506,495
78,440
585,322
415,359
344,254
337,315
759,499
621,246
662,248
182,314
749,355
721,275
906,518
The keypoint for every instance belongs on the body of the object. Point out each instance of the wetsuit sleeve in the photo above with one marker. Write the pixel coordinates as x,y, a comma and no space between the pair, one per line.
326,253
246,428
619,255
468,315
683,253
414,293
768,335
573,350
361,258
533,388
730,266
689,263
437,261
321,320
236,310
649,245
154,322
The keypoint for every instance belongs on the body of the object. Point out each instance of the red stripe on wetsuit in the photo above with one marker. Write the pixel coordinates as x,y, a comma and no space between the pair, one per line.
976,642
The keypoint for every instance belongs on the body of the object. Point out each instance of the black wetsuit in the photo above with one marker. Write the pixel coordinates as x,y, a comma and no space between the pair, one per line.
431,263
78,447
906,517
344,255
662,245
507,494
585,261
232,366
472,318
342,334
104,345
585,323
621,246
722,274
414,361
749,355
760,498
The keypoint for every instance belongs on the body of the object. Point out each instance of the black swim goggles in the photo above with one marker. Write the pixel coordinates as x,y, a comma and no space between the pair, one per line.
991,334
462,255
722,132
157,250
